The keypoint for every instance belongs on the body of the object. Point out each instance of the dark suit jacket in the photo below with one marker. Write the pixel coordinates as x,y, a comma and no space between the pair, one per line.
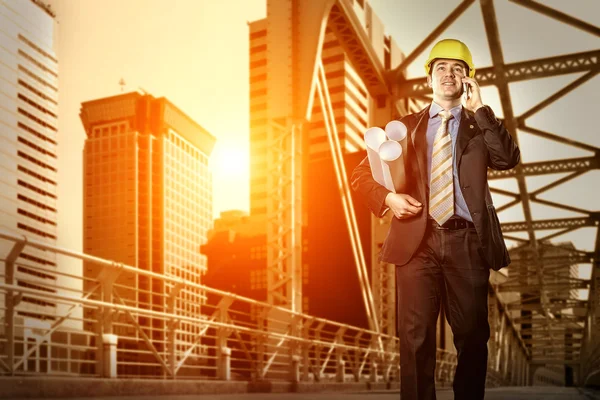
482,142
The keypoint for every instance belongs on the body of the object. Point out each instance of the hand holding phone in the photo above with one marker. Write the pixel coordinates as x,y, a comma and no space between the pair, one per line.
466,88
471,94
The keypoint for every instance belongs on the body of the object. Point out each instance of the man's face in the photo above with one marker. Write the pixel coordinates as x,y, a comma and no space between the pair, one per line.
446,78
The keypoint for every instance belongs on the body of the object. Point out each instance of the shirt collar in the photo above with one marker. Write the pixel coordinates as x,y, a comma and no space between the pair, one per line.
436,108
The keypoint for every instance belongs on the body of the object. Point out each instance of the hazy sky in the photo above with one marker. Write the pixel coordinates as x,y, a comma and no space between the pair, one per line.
195,53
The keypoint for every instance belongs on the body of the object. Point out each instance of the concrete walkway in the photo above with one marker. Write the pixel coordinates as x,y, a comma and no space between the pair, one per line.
525,393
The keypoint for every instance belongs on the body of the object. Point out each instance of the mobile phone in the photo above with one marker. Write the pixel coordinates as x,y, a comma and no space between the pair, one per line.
466,90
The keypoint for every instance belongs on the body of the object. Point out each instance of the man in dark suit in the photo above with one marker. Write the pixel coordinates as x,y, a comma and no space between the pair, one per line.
445,235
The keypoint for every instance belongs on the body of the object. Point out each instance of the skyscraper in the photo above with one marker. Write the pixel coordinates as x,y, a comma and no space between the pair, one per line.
286,173
147,203
349,97
28,145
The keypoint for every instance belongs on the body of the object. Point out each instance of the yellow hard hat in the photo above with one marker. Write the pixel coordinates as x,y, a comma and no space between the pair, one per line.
452,49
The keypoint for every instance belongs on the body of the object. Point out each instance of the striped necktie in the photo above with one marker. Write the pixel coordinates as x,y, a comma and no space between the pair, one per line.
441,184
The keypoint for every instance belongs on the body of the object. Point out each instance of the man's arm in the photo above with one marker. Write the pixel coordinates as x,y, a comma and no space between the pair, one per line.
372,193
378,198
503,151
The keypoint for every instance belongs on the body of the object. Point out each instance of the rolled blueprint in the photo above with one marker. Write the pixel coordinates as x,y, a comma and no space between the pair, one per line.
392,163
396,130
374,137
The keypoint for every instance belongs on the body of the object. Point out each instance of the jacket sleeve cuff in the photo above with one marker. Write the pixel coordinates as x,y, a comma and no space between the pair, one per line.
379,206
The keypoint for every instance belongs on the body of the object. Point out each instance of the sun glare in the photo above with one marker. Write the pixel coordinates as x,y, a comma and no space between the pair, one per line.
229,161
230,167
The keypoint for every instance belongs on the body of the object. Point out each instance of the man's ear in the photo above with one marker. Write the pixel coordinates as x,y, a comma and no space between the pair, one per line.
429,80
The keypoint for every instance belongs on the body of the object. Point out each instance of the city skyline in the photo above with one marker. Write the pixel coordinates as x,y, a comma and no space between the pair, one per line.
113,111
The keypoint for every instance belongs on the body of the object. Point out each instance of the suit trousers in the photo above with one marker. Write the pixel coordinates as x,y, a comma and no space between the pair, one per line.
446,268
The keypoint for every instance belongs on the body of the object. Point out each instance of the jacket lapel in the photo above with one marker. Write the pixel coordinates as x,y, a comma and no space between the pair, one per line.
467,129
419,140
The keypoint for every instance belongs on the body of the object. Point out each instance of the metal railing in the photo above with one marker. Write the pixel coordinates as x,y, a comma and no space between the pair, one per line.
116,320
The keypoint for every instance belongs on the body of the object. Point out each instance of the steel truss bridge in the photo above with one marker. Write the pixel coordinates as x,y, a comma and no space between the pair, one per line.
239,338
535,318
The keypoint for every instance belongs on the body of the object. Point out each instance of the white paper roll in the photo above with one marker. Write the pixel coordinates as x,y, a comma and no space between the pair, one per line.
374,137
392,165
396,130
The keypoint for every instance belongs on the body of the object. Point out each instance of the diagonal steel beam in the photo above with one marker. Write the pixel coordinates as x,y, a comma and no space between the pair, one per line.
453,16
558,182
145,337
507,205
200,335
516,239
505,193
556,138
549,203
561,93
559,16
53,328
5,366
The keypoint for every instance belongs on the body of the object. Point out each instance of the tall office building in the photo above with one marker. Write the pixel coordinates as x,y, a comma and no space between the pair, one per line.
147,203
278,52
28,147
349,97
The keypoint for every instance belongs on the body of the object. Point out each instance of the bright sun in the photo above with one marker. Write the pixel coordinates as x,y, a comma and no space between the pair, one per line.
230,168
229,162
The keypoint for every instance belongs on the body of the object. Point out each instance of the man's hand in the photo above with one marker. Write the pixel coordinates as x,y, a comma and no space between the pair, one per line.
402,205
473,102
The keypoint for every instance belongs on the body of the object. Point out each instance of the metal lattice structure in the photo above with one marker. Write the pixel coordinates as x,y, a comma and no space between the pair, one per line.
284,225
